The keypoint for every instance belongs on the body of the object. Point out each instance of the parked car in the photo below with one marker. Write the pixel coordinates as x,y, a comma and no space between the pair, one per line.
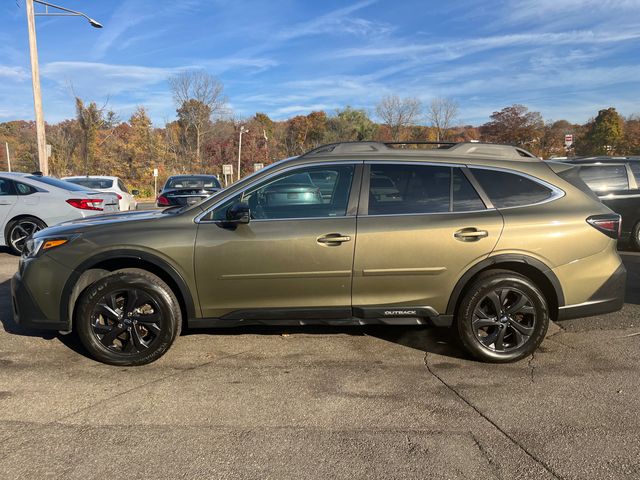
479,238
616,182
127,200
187,190
29,203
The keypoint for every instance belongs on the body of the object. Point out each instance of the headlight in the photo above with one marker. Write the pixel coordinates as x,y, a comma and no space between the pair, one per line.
34,246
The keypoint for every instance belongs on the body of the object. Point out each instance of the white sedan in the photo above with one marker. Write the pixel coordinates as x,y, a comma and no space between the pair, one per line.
30,202
108,184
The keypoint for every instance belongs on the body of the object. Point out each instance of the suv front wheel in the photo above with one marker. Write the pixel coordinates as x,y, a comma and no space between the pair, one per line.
130,317
503,317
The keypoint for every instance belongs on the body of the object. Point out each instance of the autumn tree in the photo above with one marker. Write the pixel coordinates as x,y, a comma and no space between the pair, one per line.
442,113
552,138
198,96
90,120
631,140
603,135
64,139
350,124
20,136
141,144
514,125
398,113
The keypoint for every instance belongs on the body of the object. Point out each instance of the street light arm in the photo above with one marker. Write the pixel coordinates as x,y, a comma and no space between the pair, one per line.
71,13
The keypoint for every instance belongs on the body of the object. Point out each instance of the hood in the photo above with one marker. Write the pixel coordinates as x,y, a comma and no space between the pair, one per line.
83,224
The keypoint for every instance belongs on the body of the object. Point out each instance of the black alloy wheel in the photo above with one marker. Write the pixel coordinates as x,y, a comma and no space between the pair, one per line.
130,317
127,321
503,317
20,230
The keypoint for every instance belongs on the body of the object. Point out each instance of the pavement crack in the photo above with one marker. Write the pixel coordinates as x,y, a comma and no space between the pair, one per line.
532,367
509,437
483,451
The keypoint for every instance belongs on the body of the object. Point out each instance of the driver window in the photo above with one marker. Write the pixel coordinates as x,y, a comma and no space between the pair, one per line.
306,192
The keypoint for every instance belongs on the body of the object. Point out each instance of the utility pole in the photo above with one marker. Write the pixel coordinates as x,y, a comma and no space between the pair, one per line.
6,146
242,130
43,159
37,94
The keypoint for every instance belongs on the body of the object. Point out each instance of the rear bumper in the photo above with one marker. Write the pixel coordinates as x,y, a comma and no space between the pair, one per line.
608,298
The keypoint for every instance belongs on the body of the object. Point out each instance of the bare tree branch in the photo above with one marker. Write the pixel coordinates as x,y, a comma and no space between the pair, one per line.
442,113
398,113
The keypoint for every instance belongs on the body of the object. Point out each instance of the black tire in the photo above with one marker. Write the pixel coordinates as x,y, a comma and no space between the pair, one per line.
635,237
19,230
513,332
118,333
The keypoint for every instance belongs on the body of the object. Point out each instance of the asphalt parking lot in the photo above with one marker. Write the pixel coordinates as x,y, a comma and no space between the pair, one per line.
325,403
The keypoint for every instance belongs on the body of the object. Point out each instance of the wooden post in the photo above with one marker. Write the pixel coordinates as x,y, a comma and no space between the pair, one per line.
6,146
37,94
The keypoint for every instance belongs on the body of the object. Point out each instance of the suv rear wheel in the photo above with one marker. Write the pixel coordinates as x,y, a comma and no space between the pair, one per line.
130,317
503,317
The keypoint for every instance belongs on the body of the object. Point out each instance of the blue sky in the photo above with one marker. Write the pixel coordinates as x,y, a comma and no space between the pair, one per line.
564,58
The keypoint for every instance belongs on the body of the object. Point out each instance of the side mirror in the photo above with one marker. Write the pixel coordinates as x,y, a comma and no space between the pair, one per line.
239,213
135,192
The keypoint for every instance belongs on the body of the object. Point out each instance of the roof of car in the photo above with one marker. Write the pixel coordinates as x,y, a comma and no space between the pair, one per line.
603,159
16,174
77,177
195,175
437,149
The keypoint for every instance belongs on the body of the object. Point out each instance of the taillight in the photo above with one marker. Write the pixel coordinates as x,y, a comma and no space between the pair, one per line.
119,196
608,223
162,200
86,203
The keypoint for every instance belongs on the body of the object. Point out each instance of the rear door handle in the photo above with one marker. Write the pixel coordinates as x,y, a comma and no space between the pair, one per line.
333,239
470,234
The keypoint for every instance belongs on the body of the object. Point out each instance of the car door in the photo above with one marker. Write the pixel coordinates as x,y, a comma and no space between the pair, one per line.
8,198
293,260
420,227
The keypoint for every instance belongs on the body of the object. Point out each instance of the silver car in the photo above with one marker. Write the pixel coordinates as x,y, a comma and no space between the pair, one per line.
30,202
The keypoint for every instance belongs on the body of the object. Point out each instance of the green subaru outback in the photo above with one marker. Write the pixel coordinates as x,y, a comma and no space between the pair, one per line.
486,239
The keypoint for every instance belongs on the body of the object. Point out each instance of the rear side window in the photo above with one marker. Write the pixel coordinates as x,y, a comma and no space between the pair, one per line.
402,189
510,189
602,178
414,189
54,182
24,189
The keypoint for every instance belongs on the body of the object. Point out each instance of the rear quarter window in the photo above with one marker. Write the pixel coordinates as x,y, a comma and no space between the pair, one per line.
603,178
507,189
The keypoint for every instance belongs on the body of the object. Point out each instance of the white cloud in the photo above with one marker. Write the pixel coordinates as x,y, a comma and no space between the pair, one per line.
13,73
458,48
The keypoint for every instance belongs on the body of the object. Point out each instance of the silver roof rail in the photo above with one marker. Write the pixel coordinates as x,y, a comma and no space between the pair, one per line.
442,148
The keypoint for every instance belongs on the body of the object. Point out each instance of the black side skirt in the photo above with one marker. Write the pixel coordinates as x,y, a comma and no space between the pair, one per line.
339,316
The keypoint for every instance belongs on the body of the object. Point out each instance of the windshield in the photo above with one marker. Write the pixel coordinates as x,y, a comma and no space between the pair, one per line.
192,182
54,182
92,182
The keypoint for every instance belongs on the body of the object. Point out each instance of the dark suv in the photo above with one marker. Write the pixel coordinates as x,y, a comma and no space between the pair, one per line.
481,238
616,182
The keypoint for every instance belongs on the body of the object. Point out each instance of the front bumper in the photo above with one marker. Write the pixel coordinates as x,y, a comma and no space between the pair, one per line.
608,298
26,311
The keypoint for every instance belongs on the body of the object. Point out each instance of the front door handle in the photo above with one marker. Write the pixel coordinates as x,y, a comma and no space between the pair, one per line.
470,234
333,239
